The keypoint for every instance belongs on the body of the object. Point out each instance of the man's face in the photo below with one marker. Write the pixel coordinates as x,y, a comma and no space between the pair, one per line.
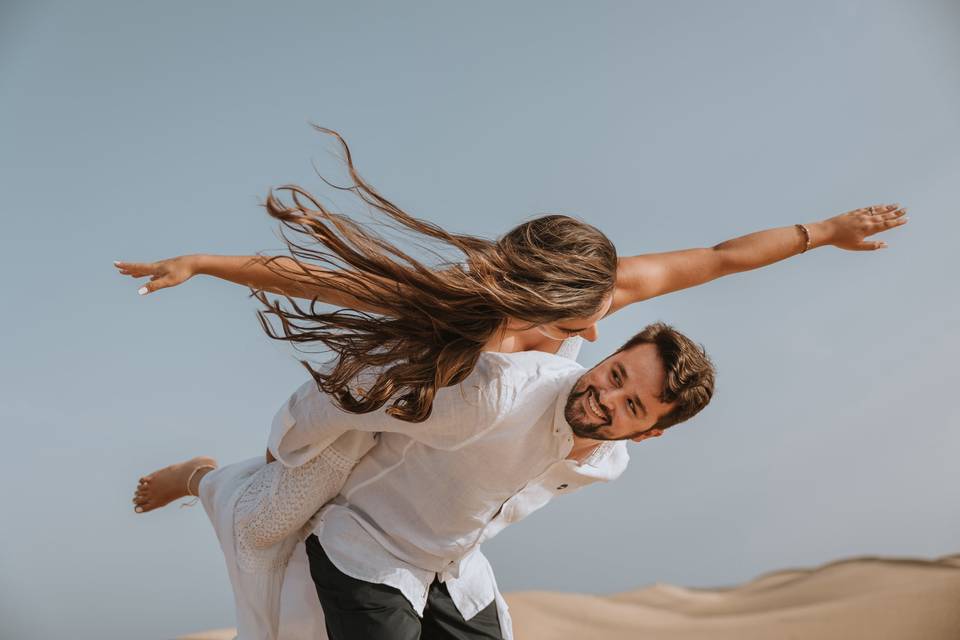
618,398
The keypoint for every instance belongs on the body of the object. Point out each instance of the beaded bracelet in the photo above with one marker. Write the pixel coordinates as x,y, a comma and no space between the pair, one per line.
806,235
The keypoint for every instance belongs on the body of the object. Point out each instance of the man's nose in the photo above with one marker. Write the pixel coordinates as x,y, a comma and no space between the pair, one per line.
608,398
590,333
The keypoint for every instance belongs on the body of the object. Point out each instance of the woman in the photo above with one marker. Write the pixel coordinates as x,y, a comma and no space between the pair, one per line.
421,329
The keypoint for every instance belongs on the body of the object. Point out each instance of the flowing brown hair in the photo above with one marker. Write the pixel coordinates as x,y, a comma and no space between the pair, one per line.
432,322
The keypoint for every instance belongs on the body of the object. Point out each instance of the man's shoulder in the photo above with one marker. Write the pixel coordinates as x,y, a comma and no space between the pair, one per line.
524,364
530,378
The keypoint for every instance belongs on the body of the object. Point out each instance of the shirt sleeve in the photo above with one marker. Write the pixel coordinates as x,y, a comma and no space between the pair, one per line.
309,421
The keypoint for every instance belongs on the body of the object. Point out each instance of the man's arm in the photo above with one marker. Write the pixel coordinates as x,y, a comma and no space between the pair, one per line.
647,276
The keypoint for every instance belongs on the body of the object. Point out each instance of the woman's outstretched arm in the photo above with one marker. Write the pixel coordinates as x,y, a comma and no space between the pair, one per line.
650,275
284,276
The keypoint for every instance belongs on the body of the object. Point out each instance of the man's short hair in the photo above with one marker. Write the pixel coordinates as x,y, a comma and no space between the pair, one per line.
690,373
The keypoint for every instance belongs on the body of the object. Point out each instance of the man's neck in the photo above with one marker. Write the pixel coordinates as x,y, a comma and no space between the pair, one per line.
582,448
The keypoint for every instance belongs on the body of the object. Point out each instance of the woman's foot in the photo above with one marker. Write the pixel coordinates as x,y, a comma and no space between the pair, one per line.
162,487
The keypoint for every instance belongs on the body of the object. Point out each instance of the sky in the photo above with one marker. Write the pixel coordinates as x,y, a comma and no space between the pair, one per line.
138,131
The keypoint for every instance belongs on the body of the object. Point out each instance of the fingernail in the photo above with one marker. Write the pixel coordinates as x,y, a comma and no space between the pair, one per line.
142,291
116,263
138,509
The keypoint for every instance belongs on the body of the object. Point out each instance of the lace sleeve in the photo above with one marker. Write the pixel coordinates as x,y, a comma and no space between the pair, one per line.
279,501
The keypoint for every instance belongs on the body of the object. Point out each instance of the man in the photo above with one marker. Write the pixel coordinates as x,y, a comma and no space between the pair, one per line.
396,555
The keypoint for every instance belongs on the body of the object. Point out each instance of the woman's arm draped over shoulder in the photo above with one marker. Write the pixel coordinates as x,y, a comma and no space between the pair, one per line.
651,275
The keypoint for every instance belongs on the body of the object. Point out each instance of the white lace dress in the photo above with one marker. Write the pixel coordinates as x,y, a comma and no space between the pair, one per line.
261,514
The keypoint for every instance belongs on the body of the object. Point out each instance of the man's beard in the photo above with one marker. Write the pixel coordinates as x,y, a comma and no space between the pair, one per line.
577,415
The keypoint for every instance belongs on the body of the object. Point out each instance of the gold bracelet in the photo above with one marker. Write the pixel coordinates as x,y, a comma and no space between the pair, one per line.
806,235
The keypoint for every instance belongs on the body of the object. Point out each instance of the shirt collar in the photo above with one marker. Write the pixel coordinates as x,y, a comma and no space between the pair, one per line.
560,426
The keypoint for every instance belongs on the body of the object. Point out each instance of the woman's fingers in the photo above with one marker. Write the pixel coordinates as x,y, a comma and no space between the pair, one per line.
883,224
882,219
870,245
150,287
156,283
890,223
136,269
877,209
899,212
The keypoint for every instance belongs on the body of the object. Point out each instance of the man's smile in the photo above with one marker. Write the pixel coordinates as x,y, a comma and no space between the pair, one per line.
594,405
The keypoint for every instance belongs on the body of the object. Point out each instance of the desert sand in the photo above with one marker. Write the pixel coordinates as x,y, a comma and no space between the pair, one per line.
869,598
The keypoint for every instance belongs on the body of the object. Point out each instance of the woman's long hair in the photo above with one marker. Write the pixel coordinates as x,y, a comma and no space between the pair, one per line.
432,321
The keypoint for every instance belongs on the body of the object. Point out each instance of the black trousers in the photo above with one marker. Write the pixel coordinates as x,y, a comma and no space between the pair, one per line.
358,610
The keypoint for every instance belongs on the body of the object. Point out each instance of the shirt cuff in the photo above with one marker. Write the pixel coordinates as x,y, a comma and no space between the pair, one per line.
282,423
294,442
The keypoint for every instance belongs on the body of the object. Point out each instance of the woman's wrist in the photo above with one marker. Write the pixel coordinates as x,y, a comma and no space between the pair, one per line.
198,263
821,233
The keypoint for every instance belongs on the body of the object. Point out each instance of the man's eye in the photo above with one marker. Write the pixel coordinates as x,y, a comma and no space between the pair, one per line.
633,408
616,377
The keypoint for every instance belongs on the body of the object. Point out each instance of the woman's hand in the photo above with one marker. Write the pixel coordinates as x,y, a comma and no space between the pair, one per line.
163,274
850,230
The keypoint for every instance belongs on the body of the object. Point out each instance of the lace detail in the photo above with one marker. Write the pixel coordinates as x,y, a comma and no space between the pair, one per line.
570,348
599,454
278,502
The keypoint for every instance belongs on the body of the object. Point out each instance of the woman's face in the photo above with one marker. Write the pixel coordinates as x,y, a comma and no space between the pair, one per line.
586,327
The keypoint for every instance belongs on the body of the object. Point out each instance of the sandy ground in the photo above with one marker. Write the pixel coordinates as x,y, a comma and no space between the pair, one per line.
875,598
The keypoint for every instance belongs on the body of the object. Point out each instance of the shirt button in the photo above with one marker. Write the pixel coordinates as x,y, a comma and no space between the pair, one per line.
563,486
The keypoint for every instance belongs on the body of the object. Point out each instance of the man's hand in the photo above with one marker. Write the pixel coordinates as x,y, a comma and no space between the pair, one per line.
163,274
850,230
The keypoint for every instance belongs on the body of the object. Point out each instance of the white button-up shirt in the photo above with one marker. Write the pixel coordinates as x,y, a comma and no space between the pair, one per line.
421,502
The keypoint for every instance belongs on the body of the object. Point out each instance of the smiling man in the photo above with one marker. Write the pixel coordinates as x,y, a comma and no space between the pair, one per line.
396,555
641,389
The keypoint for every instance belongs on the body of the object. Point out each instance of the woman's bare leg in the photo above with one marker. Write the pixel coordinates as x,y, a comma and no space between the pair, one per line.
162,487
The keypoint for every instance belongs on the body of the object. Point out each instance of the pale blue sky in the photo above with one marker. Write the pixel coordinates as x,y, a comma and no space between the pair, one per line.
144,130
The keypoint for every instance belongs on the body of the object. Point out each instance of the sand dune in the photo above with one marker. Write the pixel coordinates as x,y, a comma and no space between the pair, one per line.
869,598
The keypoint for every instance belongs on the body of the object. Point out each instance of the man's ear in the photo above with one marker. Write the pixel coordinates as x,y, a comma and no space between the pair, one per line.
649,433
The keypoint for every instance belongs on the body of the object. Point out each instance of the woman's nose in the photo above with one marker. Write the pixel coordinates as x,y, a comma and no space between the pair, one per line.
590,334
